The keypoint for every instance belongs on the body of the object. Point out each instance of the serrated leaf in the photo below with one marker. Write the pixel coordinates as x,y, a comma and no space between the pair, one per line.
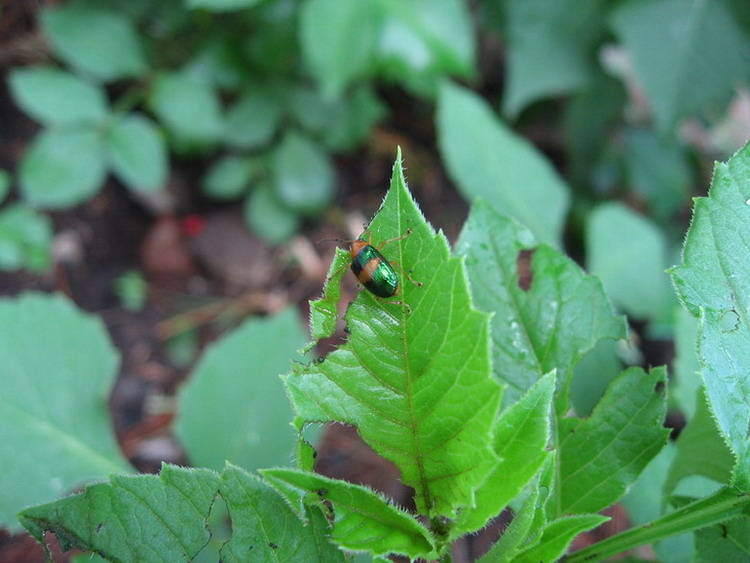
547,327
138,153
521,437
714,284
99,42
550,48
686,54
53,96
601,456
234,406
557,536
362,519
57,367
302,174
700,450
414,376
63,167
133,518
188,107
338,40
25,238
516,533
263,524
486,159
629,253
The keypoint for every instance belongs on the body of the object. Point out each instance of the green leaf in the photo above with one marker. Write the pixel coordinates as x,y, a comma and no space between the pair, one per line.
593,374
547,327
686,366
57,367
338,40
557,536
486,159
98,42
629,253
53,96
424,40
253,120
601,456
132,290
700,450
414,376
303,176
25,238
63,167
362,519
138,153
234,407
324,311
133,518
264,525
714,284
550,48
268,218
221,5
726,542
229,177
521,437
686,54
645,500
189,108
658,170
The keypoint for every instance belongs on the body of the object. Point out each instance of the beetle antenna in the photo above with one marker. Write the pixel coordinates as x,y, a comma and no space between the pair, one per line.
333,239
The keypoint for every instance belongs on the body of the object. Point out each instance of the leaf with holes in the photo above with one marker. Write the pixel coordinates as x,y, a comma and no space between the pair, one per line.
714,284
414,376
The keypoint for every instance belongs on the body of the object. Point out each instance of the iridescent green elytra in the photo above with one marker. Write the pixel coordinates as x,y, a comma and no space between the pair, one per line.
373,270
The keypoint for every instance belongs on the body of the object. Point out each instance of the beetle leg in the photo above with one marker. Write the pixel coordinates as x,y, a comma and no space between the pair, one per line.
382,244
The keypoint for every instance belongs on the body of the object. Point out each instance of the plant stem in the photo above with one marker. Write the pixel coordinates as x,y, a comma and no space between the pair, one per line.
721,506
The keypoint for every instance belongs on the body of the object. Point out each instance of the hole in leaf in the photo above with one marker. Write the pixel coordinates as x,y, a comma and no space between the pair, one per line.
523,267
730,321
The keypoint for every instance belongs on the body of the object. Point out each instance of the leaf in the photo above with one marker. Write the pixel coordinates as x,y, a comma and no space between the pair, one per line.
601,456
25,238
686,54
98,42
547,327
516,533
221,5
550,48
362,519
63,167
302,175
714,284
264,525
268,218
686,366
138,153
729,541
487,160
557,536
188,107
234,407
133,518
424,40
57,367
414,376
593,374
56,97
628,252
253,120
521,437
338,40
229,177
700,450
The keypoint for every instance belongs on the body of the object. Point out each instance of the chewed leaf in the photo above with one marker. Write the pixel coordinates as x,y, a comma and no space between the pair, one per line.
714,284
414,376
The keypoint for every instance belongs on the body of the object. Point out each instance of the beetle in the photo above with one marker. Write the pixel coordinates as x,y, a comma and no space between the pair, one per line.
371,268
